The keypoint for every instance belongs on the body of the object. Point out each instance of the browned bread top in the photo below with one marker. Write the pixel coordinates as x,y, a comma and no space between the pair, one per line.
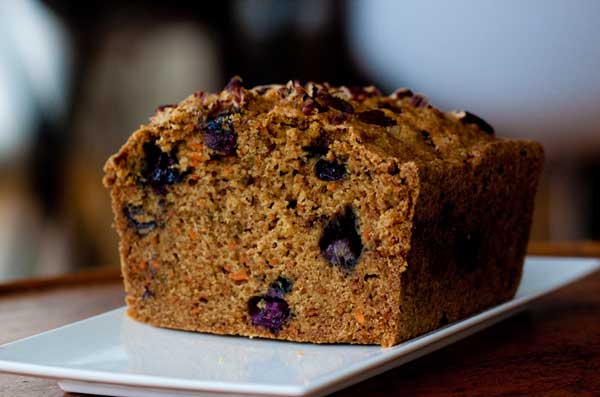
400,127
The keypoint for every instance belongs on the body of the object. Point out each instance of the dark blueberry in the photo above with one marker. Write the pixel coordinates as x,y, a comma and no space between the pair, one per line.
219,134
419,101
270,312
470,118
280,287
160,168
340,242
132,214
330,170
147,293
376,117
336,103
340,252
426,136
317,148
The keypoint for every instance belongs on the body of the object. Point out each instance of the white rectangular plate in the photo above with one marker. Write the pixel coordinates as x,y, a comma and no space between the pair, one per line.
111,354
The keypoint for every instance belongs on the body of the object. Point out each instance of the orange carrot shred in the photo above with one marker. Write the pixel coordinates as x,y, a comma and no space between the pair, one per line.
360,318
239,276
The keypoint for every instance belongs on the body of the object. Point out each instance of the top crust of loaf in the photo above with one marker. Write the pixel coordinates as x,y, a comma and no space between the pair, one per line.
396,128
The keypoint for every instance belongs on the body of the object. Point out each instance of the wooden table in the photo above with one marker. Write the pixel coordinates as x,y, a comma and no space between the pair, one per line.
552,349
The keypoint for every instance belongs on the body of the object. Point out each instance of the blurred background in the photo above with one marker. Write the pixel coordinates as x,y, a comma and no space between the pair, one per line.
76,78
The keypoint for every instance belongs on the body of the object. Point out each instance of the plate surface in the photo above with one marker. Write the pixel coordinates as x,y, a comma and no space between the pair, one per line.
111,354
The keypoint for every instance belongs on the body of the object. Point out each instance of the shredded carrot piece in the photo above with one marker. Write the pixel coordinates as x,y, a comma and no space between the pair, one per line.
292,330
366,235
360,318
189,127
194,155
331,187
195,158
197,146
232,245
195,310
239,276
193,234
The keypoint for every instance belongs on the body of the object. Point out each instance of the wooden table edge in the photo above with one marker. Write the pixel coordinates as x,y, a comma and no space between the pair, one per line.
101,275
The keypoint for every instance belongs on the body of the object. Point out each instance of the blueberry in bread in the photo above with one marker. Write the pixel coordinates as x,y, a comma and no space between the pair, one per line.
319,214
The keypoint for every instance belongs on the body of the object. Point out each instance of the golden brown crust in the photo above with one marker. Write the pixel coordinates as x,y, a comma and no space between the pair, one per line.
222,195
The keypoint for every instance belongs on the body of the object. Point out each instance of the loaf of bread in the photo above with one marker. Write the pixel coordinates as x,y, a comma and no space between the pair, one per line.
319,214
